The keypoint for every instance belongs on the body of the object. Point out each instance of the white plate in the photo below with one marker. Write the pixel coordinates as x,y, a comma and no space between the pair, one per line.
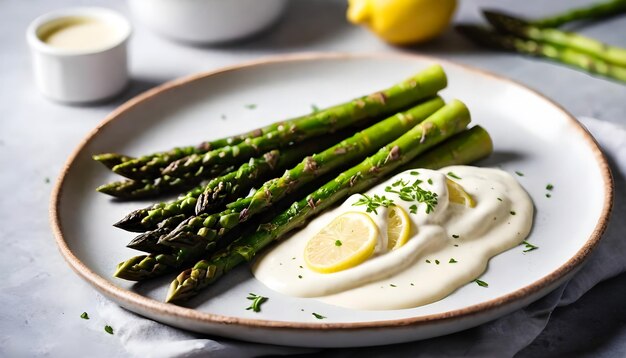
531,135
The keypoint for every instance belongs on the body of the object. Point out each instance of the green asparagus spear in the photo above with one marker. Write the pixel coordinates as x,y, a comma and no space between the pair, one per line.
594,11
225,188
211,227
521,28
148,188
423,85
110,160
466,147
149,166
567,56
446,122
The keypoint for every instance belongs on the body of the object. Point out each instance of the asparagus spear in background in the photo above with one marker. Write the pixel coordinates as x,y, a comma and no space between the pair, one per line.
209,228
463,148
594,11
110,160
567,56
446,122
225,188
521,28
422,85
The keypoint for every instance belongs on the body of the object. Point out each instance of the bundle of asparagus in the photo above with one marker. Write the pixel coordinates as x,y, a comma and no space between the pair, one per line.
541,38
207,222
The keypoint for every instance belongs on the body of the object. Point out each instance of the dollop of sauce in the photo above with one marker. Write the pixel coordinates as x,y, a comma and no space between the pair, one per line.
448,247
80,33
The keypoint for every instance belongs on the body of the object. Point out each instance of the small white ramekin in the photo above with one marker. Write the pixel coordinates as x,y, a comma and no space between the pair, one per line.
80,76
207,21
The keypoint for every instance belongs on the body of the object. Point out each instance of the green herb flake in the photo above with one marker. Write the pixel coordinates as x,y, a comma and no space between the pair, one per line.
430,181
500,199
314,108
481,283
528,246
452,261
84,315
338,243
257,301
301,266
452,175
414,192
374,202
250,106
413,209
437,262
427,261
108,329
548,195
520,174
455,236
392,285
455,245
300,276
318,316
414,172
549,187
513,212
412,284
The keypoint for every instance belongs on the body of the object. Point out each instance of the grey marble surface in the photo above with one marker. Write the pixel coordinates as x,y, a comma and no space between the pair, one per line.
41,299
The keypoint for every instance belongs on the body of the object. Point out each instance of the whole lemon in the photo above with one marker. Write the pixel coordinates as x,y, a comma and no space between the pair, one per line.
402,22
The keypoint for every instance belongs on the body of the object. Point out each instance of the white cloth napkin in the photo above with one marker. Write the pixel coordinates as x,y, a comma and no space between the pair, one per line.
503,337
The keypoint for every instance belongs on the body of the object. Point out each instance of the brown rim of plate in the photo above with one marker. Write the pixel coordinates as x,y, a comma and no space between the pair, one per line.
146,304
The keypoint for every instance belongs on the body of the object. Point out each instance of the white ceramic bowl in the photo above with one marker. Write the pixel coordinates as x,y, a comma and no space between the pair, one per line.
207,21
80,76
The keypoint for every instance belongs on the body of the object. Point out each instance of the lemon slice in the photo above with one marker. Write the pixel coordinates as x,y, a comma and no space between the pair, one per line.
398,227
458,195
346,242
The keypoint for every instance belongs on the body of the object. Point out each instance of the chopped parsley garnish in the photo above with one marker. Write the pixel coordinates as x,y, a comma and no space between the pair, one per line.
108,329
338,243
314,108
427,261
452,175
301,266
513,212
84,315
519,173
413,192
481,283
499,199
455,236
412,284
257,301
299,276
430,181
548,195
414,172
413,209
452,261
392,285
318,316
455,245
529,246
250,106
549,187
373,203
437,262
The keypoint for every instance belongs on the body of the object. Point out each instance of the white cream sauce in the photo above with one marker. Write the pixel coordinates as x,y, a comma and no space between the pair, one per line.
402,278
85,34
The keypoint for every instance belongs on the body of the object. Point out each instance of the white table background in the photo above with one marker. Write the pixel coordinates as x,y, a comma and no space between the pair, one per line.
41,299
